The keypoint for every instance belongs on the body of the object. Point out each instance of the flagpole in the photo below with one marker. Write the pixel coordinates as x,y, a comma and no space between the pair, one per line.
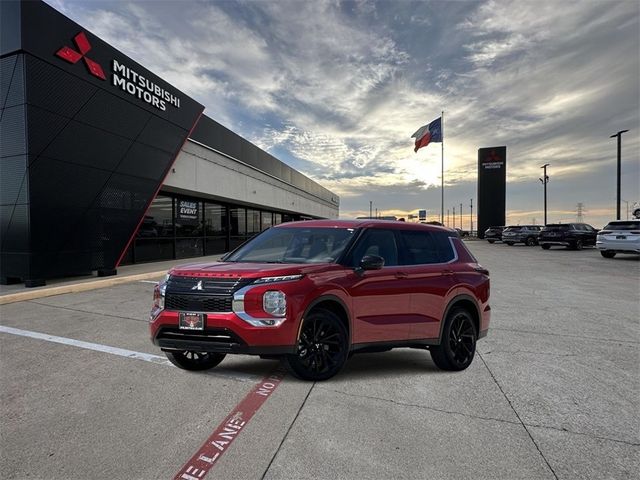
442,175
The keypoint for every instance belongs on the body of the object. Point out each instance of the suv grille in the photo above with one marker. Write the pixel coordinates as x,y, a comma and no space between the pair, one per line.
198,303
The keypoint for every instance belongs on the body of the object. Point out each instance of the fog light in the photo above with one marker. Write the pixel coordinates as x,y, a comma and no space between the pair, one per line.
274,302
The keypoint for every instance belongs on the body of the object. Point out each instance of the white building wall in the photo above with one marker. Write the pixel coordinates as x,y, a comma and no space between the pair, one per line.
203,172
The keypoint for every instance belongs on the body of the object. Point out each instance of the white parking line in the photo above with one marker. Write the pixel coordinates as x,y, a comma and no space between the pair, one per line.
121,352
148,281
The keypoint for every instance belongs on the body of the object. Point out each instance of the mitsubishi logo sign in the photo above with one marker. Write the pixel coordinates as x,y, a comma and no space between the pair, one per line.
72,56
197,286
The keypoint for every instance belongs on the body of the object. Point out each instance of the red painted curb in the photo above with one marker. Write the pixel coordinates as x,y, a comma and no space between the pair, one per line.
224,435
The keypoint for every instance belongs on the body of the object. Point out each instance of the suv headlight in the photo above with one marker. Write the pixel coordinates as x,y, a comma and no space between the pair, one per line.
274,302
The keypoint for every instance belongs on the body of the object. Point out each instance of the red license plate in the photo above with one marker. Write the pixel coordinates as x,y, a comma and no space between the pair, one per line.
191,321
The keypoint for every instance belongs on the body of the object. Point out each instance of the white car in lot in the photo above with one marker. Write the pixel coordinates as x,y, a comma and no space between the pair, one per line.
619,236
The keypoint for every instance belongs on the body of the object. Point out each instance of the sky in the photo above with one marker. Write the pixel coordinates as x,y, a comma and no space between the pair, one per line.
336,89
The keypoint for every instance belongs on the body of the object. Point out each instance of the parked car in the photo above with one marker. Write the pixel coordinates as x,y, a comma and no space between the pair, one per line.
570,235
315,292
527,234
619,236
493,234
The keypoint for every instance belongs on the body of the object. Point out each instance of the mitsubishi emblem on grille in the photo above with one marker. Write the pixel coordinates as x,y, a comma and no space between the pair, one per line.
197,286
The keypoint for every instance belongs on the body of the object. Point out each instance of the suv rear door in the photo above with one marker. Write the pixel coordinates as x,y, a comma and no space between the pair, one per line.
429,278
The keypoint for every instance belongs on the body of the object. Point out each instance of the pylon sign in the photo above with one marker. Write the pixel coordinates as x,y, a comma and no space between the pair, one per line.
492,187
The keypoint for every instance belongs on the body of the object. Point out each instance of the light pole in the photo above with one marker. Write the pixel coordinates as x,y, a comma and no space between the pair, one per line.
454,217
471,215
545,180
619,135
461,227
370,209
447,217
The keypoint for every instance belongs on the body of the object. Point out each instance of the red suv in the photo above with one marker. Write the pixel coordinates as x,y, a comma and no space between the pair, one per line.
315,292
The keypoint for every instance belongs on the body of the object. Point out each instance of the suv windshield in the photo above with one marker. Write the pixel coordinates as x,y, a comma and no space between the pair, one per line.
294,245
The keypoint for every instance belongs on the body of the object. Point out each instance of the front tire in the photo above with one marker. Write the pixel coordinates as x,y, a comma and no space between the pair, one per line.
545,246
509,243
194,361
607,253
491,241
323,347
530,242
458,343
577,245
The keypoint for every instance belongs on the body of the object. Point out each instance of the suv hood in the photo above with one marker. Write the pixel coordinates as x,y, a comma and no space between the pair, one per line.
248,270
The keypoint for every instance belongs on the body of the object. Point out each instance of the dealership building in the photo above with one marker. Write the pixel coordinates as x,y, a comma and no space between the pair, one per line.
103,163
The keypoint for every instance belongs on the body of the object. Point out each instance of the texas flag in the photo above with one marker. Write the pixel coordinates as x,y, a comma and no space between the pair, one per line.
428,133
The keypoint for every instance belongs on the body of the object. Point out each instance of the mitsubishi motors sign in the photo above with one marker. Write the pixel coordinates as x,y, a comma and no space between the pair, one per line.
122,76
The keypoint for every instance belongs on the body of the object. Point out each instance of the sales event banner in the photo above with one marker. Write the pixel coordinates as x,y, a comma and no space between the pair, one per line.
492,181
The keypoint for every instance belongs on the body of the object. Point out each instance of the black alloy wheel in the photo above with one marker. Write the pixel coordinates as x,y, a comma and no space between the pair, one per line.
607,253
577,245
322,348
194,361
458,343
545,246
530,242
491,241
509,243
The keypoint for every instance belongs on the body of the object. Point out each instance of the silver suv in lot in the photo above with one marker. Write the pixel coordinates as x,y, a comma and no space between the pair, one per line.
527,234
619,236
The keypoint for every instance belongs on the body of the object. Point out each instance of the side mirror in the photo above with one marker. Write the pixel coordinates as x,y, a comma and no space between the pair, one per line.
371,262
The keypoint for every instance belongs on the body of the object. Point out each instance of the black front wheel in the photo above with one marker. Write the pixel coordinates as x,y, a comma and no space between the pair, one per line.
491,241
530,242
194,361
509,243
607,253
458,343
545,246
577,245
322,348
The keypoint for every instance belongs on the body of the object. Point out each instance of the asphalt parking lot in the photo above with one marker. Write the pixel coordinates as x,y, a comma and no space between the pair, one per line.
552,393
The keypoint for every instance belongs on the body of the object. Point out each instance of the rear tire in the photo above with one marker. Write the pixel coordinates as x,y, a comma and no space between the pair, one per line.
607,253
491,241
530,242
458,343
195,361
323,347
545,246
509,243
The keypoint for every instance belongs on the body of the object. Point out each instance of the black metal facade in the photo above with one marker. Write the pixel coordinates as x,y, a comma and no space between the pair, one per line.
81,158
492,188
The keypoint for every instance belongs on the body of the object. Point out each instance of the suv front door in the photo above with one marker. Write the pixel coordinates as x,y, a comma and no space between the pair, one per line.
380,298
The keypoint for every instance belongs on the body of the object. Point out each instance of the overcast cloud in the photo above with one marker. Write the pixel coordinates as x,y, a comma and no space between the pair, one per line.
335,89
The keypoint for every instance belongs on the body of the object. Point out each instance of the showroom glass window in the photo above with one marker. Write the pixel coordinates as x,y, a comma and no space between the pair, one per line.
154,240
238,226
215,228
267,220
189,227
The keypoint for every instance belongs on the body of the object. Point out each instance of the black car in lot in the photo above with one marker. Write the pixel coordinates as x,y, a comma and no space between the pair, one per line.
493,234
570,235
527,234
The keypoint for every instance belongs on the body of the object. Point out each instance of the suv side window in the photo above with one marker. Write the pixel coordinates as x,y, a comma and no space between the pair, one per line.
376,242
421,248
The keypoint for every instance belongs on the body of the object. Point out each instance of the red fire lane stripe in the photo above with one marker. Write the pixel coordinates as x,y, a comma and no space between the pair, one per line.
224,435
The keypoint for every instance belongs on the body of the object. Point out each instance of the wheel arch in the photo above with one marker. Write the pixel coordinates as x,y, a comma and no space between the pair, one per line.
469,303
335,305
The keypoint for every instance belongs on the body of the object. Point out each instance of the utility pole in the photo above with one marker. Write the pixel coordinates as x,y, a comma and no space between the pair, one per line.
447,217
580,212
545,180
619,135
461,217
471,215
370,209
454,217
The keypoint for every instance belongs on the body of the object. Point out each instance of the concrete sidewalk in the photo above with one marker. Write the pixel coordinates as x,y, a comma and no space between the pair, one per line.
126,274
